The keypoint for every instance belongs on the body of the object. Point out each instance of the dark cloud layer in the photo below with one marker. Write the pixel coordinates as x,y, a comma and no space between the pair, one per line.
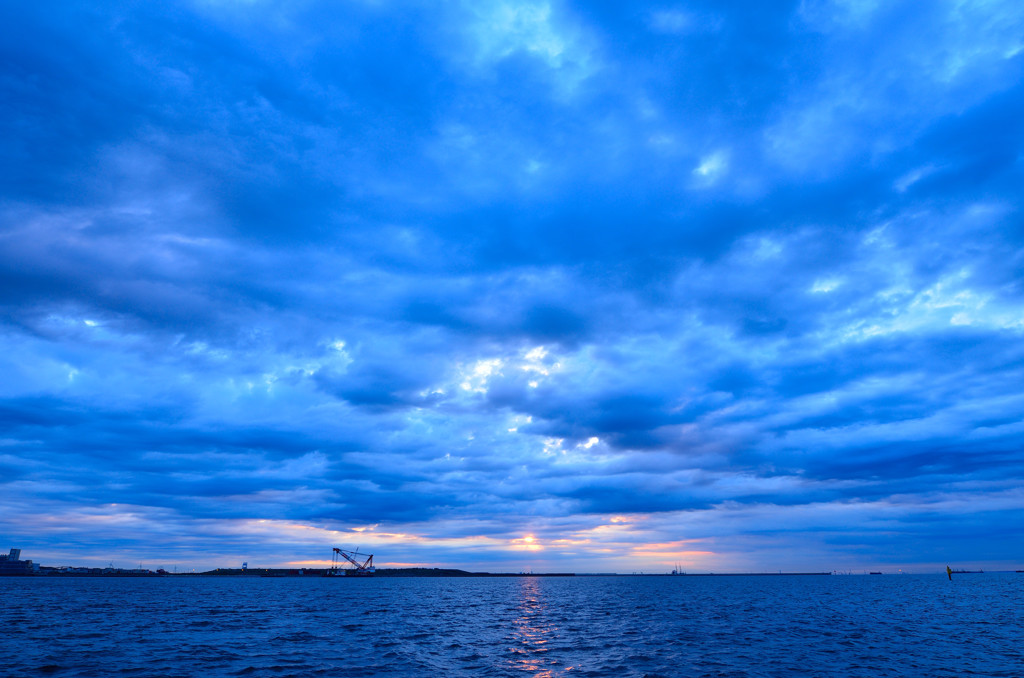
513,284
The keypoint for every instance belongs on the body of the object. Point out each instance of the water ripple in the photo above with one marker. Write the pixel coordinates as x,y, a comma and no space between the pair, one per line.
899,626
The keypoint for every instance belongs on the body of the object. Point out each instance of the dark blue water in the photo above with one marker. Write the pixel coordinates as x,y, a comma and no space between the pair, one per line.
524,626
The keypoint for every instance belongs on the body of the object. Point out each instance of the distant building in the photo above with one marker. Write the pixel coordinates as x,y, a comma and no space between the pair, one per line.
12,564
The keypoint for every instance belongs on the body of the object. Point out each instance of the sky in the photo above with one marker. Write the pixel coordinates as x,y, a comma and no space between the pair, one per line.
513,286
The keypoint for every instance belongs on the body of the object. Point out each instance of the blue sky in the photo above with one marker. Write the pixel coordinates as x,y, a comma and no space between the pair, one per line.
513,285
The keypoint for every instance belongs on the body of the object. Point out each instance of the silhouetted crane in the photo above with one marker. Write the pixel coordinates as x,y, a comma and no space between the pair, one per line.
362,563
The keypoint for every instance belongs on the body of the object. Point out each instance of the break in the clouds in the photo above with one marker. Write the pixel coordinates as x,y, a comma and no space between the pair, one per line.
510,285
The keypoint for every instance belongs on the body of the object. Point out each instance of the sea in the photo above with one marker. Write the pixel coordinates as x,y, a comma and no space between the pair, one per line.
861,625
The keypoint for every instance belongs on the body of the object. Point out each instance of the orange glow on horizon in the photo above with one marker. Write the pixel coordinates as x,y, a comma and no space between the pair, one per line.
673,550
639,553
382,565
308,563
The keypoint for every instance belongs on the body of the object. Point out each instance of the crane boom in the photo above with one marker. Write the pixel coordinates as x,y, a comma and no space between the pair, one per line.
362,563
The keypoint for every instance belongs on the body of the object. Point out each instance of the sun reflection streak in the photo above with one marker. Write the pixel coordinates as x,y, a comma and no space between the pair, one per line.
533,631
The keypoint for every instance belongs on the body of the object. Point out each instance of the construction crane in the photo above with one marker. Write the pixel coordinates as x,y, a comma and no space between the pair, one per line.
362,563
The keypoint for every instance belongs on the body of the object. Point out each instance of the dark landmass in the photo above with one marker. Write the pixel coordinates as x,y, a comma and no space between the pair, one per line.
381,572
13,565
261,572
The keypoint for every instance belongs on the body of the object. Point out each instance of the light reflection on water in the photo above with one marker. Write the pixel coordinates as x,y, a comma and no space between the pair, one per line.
532,631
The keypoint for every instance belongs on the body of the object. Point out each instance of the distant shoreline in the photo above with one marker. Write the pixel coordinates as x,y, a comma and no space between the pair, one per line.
381,572
409,572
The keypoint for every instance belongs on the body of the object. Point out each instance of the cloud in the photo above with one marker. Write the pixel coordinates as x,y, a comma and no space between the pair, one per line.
539,30
677,283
